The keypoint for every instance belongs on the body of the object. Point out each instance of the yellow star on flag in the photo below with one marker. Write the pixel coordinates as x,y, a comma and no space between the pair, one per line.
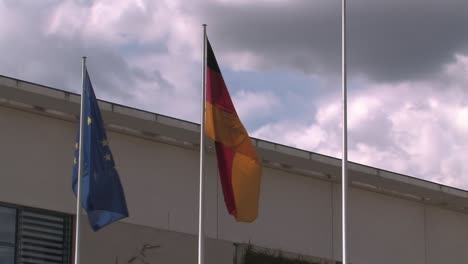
107,156
89,120
104,142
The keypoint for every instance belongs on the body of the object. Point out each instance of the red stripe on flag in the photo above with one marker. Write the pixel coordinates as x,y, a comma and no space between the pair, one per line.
217,93
225,157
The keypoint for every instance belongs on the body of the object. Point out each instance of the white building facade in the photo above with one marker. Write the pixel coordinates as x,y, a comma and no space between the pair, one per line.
393,218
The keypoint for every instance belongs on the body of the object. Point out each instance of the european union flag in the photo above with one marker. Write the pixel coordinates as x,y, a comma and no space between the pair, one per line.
102,194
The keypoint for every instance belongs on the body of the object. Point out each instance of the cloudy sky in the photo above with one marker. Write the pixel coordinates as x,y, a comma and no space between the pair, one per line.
408,68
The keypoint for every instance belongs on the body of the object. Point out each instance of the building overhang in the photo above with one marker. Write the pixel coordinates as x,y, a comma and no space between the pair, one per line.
64,105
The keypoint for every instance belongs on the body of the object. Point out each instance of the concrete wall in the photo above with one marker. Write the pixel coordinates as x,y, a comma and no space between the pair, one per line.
298,214
383,229
122,241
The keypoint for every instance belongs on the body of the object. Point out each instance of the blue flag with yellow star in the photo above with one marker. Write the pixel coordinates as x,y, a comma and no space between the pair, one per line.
102,194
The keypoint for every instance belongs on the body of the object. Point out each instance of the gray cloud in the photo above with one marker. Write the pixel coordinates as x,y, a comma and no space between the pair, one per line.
402,40
408,102
387,40
394,126
31,52
298,35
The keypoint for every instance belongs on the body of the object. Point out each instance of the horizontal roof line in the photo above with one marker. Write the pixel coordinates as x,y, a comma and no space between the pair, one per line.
293,154
100,100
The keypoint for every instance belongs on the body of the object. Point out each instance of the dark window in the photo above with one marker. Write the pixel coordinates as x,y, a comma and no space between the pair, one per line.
34,236
7,235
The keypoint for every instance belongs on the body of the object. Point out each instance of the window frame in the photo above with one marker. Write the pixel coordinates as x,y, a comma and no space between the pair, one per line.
68,225
15,244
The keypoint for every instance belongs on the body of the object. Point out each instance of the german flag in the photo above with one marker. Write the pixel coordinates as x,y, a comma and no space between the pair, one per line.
238,164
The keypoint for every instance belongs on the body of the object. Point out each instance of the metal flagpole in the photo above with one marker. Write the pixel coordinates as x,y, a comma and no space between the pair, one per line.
80,167
201,228
344,185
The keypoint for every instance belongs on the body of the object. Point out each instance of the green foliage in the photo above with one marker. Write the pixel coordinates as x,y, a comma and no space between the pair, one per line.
270,257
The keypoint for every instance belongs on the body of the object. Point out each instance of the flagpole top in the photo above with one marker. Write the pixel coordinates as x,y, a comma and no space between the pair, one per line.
204,25
83,62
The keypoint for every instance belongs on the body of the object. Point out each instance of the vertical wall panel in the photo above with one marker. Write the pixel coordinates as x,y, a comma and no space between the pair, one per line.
382,229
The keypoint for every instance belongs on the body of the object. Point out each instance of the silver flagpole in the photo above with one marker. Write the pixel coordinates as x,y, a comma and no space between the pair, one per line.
344,160
80,168
201,228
